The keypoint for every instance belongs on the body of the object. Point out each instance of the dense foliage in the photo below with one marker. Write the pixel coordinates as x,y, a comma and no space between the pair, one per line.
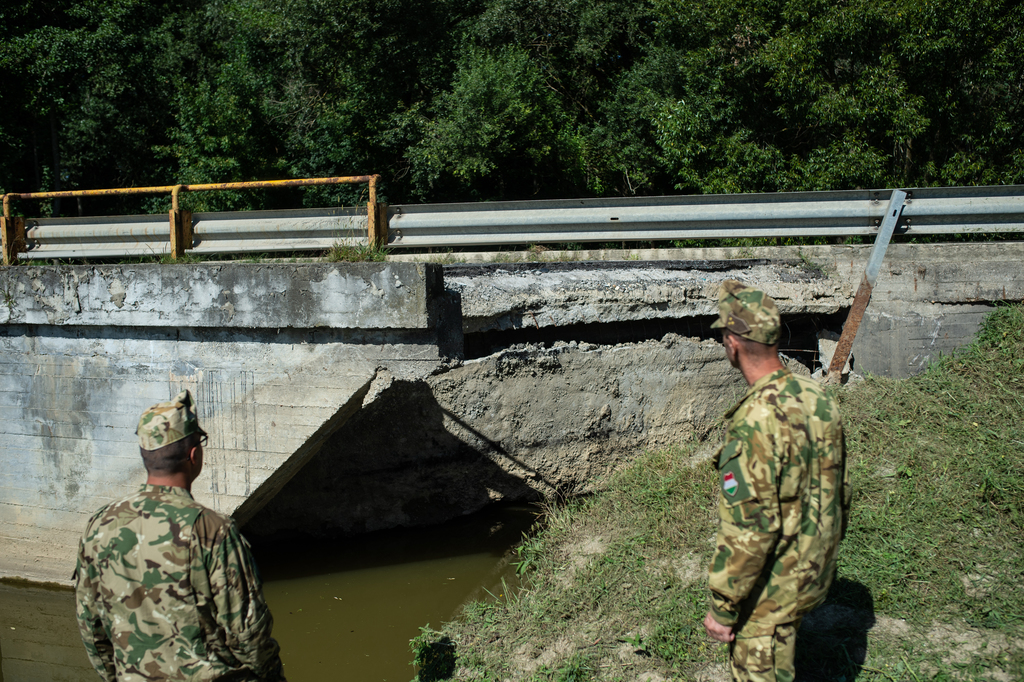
509,99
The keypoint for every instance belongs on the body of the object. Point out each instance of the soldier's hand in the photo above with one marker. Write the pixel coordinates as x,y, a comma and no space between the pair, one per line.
717,631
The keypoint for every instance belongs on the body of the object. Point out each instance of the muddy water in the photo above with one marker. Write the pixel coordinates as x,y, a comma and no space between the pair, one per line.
346,610
343,610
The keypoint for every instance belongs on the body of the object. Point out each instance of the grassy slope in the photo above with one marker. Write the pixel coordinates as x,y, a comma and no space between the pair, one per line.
931,572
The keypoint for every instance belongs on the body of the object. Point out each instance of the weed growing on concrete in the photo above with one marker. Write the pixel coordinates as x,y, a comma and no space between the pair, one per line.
536,252
9,301
929,579
808,264
186,258
358,252
566,257
445,259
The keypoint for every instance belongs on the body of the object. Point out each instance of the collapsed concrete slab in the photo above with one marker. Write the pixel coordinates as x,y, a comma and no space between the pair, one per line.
548,417
559,294
928,300
278,358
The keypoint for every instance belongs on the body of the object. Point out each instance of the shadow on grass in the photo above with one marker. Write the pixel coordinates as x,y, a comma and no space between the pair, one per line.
833,640
436,660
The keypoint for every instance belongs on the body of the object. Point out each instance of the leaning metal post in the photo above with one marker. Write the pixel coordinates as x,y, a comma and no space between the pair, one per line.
860,302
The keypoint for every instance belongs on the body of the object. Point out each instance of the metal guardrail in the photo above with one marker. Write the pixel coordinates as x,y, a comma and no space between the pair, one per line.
212,233
141,235
954,210
927,211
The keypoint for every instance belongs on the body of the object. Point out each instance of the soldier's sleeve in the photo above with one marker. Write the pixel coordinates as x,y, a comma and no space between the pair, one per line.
98,646
749,517
242,612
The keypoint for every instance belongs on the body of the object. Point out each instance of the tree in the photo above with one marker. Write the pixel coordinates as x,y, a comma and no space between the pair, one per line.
92,87
786,96
508,99
535,106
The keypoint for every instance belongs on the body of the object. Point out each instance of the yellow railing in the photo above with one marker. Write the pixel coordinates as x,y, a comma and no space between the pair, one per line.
13,227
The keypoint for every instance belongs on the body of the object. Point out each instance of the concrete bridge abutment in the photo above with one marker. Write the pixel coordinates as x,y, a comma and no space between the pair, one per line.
278,357
344,398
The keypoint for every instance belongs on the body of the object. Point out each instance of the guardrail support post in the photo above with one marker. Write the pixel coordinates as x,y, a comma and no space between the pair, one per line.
181,232
377,220
13,230
860,302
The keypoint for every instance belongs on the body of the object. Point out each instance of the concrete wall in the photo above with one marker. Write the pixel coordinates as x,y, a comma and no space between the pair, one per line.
928,299
354,370
278,358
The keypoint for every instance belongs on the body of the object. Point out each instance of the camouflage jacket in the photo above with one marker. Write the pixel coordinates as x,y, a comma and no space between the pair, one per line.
167,590
783,502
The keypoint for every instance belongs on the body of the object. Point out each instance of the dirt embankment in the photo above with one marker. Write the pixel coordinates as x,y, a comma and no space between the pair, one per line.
526,423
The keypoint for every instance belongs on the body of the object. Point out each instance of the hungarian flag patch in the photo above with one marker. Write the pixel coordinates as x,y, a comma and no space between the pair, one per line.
729,484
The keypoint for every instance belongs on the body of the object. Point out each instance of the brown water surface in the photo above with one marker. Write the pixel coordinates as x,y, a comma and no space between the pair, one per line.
343,609
346,610
39,638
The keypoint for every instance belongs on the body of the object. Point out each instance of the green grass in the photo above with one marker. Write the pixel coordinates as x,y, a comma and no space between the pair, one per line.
941,456
355,253
930,577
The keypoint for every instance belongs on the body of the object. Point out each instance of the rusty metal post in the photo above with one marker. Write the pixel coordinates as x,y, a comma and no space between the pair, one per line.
371,213
181,226
380,238
12,233
7,233
181,232
186,228
177,239
860,302
371,224
376,218
13,230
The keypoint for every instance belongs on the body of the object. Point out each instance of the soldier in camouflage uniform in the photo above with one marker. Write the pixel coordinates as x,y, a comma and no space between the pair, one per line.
166,588
784,496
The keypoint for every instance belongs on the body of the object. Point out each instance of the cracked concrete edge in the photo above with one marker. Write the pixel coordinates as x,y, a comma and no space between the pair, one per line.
246,295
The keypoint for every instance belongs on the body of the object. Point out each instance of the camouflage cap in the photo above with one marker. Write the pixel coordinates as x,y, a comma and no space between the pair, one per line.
747,312
169,422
